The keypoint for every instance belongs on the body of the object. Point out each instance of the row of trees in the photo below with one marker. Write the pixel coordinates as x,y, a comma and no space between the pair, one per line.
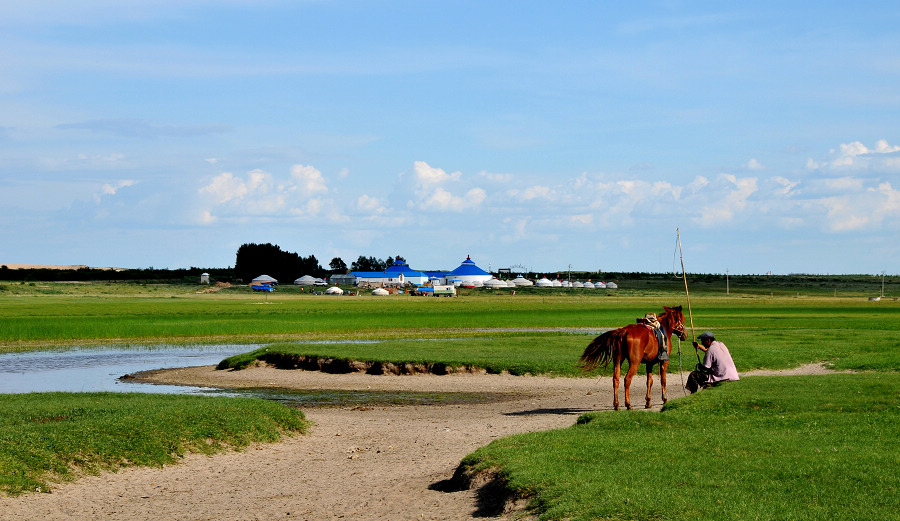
253,260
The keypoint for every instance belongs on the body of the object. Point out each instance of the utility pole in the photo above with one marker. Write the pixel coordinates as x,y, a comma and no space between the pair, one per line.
727,285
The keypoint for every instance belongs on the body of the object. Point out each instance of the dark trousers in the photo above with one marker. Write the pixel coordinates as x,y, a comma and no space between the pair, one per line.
696,380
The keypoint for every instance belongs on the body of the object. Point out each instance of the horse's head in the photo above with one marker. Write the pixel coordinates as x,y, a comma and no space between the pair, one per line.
673,319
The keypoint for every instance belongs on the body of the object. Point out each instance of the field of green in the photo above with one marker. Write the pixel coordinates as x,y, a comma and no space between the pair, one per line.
51,437
763,448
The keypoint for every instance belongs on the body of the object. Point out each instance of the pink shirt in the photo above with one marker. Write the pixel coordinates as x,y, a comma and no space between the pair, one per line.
718,358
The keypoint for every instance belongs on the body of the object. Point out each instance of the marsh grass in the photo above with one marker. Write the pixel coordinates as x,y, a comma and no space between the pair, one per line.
804,447
50,437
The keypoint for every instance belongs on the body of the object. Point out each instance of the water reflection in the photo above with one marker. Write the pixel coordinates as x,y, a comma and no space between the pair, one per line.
98,369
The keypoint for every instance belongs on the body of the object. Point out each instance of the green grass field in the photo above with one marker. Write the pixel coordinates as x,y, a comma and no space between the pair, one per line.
783,447
763,448
50,437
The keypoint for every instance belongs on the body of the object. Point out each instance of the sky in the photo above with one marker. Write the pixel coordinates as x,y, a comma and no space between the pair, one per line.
546,136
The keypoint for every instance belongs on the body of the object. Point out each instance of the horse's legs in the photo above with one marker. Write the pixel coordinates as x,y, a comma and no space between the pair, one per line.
632,370
617,371
663,370
649,384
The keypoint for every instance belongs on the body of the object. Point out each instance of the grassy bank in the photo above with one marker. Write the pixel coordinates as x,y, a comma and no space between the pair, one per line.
815,447
50,437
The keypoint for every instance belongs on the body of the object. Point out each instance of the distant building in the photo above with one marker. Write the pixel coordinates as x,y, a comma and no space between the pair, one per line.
467,274
397,274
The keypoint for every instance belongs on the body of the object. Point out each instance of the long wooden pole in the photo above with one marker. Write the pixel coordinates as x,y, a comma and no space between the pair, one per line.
687,292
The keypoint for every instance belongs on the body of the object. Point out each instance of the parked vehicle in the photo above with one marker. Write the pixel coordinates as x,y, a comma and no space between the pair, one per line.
444,291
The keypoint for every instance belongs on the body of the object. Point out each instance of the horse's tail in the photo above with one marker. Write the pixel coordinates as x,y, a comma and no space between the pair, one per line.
599,351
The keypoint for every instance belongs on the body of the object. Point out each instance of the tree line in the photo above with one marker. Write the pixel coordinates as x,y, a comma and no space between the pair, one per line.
253,260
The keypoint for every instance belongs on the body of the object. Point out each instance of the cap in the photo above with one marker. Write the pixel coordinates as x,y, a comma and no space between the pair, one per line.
708,335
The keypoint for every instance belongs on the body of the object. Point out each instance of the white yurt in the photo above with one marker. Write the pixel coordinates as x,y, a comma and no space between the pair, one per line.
577,284
600,285
544,282
556,283
264,279
334,290
510,284
494,283
522,281
612,285
306,280
380,292
588,285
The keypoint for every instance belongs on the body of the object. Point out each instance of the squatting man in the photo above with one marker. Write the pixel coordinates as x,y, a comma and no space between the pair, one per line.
717,365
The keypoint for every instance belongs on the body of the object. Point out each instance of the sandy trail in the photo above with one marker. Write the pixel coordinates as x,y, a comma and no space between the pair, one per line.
366,463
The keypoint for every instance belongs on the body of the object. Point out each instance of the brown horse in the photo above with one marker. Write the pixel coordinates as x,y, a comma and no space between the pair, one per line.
637,344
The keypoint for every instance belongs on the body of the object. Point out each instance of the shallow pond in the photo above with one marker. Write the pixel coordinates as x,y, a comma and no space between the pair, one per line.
98,369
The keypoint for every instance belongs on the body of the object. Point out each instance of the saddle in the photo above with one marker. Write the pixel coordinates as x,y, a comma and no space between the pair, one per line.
656,328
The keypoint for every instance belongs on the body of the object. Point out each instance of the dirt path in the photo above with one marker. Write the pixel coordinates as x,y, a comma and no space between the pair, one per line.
366,463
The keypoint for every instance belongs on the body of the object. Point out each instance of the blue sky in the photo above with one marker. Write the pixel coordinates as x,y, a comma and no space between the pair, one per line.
583,134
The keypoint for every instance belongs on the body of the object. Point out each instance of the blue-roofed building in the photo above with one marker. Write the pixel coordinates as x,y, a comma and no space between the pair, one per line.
468,273
397,274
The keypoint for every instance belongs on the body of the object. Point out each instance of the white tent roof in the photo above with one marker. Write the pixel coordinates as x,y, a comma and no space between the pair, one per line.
381,292
522,281
334,290
495,283
306,280
264,278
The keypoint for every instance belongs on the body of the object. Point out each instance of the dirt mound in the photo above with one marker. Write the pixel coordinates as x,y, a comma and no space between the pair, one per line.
344,366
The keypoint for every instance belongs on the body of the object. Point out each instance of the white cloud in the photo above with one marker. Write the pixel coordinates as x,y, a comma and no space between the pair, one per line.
310,180
856,156
443,200
731,194
112,189
533,192
260,193
786,185
435,190
754,165
370,204
496,178
427,175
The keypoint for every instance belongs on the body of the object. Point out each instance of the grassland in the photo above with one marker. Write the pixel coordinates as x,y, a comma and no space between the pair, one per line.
767,448
51,437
